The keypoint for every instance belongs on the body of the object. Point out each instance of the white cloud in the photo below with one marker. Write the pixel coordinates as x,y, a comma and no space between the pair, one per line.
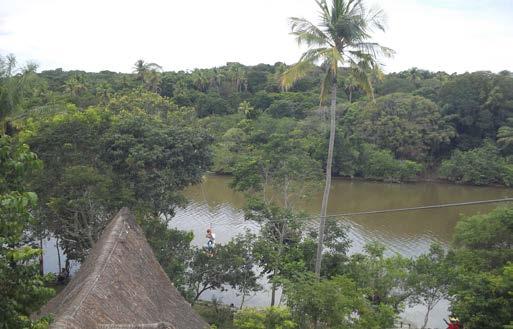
99,34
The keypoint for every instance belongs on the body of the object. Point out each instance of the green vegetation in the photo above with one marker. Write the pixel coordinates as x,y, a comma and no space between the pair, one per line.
90,143
480,166
22,287
144,158
272,317
434,118
482,264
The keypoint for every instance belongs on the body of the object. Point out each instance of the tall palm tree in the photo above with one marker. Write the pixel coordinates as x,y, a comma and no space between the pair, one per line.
16,85
148,74
238,75
103,92
414,76
75,86
141,68
341,39
200,79
216,78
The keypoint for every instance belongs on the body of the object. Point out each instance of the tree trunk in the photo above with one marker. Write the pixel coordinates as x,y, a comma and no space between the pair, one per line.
426,317
273,294
280,252
89,230
198,294
58,254
327,186
242,301
41,259
67,266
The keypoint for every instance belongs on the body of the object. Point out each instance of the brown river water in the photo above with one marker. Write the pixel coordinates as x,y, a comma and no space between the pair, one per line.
408,233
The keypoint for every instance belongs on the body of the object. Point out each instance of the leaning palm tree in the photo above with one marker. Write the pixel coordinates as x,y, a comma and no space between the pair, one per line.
341,39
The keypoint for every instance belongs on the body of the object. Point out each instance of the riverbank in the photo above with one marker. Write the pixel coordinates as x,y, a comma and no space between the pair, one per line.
420,179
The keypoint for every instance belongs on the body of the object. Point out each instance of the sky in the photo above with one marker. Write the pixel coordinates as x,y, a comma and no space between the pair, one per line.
95,35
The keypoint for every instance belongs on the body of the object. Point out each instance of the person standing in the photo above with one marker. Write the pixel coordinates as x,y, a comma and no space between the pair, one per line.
211,240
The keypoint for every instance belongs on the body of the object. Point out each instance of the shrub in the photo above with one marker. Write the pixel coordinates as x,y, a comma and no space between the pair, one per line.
212,104
285,108
479,166
271,317
381,164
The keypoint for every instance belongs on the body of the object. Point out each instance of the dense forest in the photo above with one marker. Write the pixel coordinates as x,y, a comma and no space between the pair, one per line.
421,124
77,146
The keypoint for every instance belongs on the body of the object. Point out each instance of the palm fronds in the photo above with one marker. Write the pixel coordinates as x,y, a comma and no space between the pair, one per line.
340,39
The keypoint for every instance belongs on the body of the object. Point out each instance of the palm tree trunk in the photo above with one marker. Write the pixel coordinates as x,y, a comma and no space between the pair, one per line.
327,186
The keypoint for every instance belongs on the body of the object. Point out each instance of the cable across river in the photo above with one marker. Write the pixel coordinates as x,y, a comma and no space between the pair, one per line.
447,205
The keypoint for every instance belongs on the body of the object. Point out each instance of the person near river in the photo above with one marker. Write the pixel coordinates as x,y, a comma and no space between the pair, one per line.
211,241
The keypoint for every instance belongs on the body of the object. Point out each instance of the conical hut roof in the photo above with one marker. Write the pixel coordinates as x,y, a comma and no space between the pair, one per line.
121,285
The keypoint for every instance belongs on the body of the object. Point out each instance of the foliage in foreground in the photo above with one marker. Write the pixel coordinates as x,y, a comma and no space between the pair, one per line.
336,303
22,288
271,317
482,264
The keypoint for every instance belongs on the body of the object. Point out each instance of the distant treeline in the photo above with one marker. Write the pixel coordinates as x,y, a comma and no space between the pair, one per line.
421,124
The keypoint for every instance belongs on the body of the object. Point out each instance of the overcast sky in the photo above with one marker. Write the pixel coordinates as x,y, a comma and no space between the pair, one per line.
95,35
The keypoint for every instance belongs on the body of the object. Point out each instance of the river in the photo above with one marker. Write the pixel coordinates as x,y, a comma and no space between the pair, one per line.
408,233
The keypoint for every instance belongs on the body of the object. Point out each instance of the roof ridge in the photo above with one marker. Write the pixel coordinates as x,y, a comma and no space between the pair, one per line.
104,261
115,230
121,285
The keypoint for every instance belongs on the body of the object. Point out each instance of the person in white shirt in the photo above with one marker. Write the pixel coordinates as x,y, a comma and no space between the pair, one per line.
211,240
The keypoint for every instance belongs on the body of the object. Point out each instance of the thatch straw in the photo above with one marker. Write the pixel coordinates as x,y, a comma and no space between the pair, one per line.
121,285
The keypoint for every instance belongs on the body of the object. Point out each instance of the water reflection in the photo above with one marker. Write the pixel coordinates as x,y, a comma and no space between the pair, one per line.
409,233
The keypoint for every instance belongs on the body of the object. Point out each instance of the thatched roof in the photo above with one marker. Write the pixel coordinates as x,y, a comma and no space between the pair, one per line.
121,285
